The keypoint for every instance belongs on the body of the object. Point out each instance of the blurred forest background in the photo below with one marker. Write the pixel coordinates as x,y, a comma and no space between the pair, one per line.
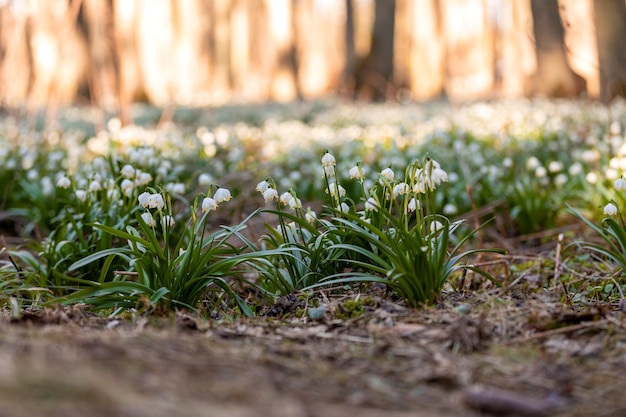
115,52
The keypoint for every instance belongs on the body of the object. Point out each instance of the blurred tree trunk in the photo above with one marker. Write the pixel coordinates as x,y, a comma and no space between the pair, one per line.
375,75
347,83
554,77
427,53
283,84
610,21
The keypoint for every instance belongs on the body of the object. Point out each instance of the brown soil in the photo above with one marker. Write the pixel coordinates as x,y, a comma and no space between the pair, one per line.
494,353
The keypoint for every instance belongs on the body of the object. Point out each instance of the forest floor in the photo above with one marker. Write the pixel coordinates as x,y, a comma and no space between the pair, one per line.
497,351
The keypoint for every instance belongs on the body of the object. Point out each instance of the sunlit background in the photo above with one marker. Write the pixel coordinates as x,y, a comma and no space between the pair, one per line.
111,53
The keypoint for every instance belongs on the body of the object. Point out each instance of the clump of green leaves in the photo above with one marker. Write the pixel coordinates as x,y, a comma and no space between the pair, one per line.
158,272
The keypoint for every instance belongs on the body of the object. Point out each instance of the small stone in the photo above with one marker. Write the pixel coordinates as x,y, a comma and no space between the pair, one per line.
316,313
464,309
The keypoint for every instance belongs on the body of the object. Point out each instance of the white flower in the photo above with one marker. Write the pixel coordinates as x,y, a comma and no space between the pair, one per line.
127,185
592,177
204,179
270,194
435,226
620,184
310,216
438,176
285,198
148,219
175,188
334,188
450,209
419,187
561,179
541,171
295,203
208,204
371,204
128,171
94,186
156,201
356,172
507,162
555,166
343,207
610,209
143,179
222,194
143,199
532,163
413,205
81,195
113,194
401,189
575,169
262,186
329,171
388,174
168,220
328,160
64,182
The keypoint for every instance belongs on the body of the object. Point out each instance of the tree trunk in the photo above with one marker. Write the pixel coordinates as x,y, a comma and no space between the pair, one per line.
554,77
374,77
610,21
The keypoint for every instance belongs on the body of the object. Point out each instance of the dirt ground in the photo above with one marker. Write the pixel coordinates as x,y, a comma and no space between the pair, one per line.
494,353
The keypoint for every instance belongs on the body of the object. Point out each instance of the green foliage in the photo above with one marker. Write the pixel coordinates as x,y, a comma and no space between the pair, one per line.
166,276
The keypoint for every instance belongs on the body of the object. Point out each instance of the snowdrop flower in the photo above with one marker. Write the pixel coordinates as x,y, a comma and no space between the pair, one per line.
175,188
270,194
610,209
438,176
555,166
532,163
204,179
128,171
541,171
371,204
310,216
156,201
262,186
329,171
507,162
328,160
620,184
94,186
143,179
592,177
561,179
208,204
419,187
222,194
46,186
435,226
127,185
113,194
148,219
575,169
143,199
285,198
64,182
334,188
168,220
413,205
295,203
387,174
343,207
401,189
81,195
356,172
